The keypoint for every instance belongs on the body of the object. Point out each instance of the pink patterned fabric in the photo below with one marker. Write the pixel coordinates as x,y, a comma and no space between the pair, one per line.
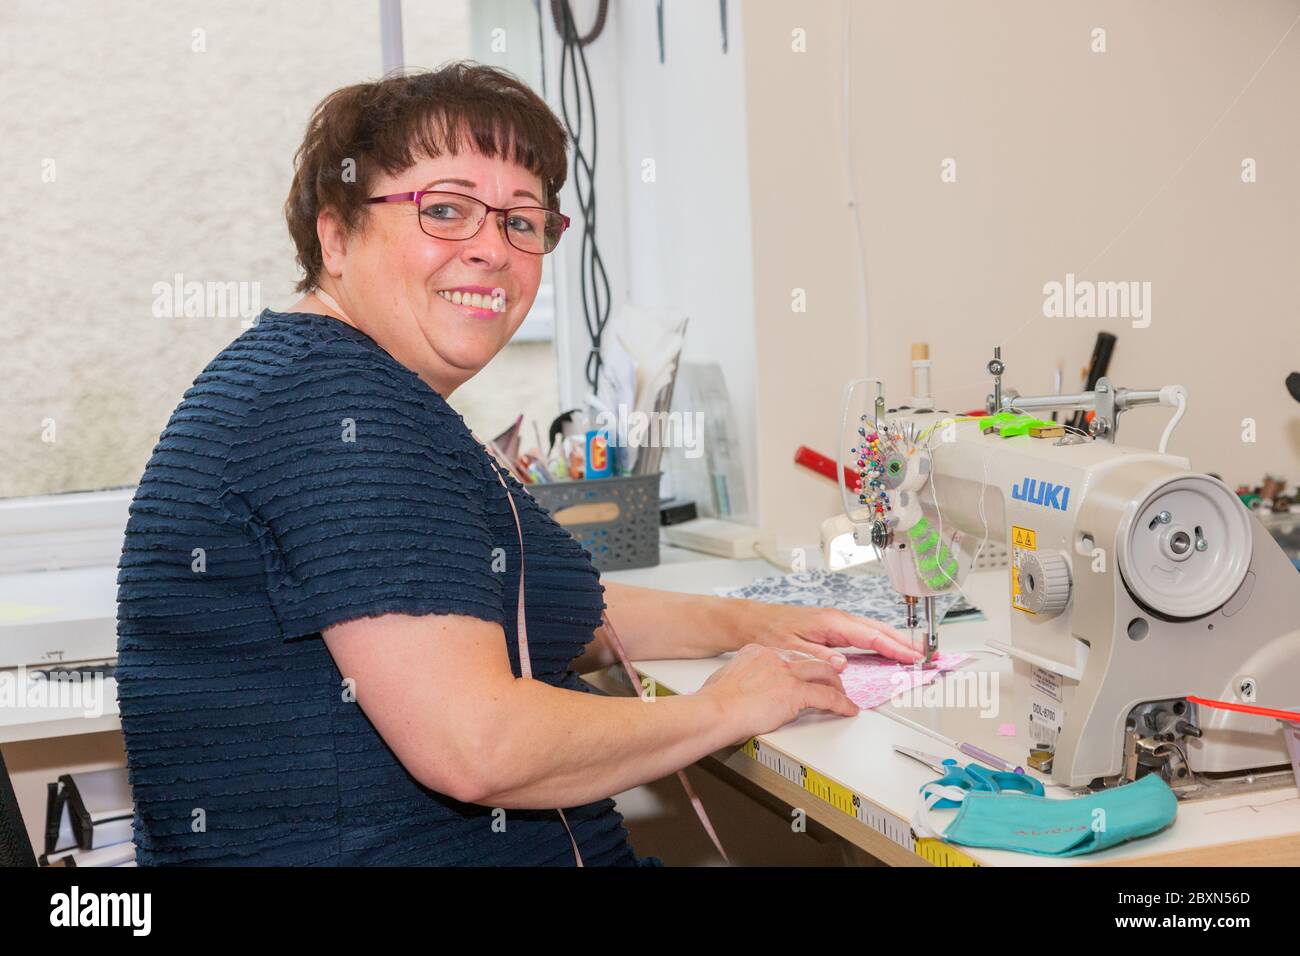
870,680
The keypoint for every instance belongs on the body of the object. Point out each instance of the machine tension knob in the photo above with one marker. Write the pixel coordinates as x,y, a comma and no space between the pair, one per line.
1044,582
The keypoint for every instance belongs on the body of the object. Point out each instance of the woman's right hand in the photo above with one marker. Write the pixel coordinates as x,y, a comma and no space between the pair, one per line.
763,688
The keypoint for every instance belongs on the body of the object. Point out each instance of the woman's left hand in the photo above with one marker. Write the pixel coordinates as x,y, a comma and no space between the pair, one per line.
818,631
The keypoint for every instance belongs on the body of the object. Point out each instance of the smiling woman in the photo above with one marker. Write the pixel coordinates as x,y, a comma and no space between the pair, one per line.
363,207
318,474
322,649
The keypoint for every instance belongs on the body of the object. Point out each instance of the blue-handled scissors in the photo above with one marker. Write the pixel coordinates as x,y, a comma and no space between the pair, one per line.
972,777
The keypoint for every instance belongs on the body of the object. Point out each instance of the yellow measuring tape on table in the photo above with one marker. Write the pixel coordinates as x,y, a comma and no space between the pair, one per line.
853,804
842,798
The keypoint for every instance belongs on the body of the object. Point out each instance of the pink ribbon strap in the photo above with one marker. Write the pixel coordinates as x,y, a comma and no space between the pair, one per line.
526,669
521,630
681,774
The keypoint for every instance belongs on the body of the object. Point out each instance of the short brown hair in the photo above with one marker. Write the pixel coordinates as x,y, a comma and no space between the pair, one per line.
392,123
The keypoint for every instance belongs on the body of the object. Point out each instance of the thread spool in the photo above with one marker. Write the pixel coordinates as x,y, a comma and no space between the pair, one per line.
921,375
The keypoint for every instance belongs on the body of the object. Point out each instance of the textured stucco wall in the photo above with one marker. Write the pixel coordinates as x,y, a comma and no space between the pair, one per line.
128,157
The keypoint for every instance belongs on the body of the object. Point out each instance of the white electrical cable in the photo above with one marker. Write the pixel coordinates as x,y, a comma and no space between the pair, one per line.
934,493
1172,395
984,483
846,72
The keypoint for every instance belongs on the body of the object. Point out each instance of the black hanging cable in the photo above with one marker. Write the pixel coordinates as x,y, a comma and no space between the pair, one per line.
594,279
597,28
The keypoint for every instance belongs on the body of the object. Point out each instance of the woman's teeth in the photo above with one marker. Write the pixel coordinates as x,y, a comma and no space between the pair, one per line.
494,303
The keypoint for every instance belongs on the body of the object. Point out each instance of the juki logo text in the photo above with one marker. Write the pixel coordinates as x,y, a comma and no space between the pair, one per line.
1043,493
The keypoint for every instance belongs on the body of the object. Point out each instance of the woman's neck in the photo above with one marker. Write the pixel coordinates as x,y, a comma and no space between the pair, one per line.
320,302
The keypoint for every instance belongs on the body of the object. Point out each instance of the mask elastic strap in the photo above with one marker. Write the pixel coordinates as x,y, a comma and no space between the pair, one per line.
691,795
329,300
521,631
931,794
525,668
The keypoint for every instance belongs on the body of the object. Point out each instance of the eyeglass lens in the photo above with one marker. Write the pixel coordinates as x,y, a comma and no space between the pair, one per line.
527,228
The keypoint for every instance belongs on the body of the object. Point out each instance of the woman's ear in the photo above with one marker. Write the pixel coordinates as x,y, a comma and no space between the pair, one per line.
333,239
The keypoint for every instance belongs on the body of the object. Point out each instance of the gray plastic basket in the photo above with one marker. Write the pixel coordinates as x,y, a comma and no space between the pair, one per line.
625,535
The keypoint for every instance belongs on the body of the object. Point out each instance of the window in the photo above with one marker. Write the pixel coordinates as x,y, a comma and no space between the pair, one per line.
150,148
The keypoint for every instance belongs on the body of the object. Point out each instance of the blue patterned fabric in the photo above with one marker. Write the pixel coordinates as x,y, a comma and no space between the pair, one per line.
865,594
306,479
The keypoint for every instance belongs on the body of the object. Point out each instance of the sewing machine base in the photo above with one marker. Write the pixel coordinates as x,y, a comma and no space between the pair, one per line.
965,718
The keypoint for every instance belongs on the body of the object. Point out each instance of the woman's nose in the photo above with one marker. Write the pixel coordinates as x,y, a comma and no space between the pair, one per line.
488,246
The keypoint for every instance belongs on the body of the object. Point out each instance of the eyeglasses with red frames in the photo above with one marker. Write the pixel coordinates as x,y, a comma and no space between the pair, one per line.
454,216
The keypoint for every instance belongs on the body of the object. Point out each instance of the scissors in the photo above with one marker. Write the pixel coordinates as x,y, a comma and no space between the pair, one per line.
972,777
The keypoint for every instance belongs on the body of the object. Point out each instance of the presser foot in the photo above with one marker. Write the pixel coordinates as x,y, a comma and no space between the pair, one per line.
1154,738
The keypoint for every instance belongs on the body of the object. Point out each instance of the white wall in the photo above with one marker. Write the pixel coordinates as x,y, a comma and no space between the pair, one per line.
1123,165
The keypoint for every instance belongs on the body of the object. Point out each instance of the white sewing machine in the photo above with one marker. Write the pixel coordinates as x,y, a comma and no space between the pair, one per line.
1133,581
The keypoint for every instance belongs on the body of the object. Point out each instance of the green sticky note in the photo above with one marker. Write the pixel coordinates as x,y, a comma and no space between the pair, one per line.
11,611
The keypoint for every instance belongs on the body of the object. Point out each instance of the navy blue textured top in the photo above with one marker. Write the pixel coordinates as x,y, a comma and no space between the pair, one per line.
308,478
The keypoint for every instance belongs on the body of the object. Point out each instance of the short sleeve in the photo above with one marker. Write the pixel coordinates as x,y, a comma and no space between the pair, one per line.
364,494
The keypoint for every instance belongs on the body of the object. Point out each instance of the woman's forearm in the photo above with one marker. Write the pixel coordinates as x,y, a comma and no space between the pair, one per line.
662,625
544,746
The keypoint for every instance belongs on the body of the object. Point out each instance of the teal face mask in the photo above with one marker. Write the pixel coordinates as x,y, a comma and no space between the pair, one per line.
1049,827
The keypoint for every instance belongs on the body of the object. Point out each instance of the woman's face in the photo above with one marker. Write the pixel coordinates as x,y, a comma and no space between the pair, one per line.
394,281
